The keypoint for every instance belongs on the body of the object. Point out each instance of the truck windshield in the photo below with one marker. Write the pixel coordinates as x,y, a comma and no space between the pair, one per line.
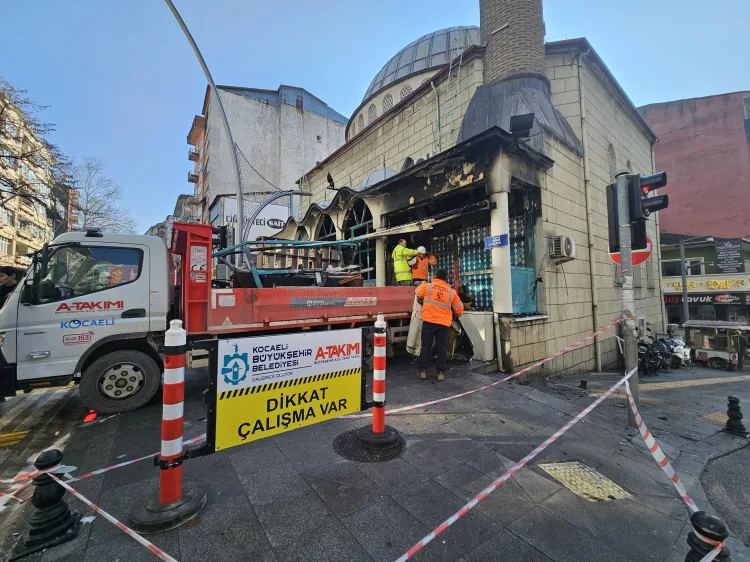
75,271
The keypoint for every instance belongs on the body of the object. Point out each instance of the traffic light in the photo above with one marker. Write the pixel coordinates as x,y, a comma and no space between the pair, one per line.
649,184
640,206
222,240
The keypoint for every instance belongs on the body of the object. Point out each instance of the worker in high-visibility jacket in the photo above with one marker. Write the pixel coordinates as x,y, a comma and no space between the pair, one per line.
420,271
401,256
440,303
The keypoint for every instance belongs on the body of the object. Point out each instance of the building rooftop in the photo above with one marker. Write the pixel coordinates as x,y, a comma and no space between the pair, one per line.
429,51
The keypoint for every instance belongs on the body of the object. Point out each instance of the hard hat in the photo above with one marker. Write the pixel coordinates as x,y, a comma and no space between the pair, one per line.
422,250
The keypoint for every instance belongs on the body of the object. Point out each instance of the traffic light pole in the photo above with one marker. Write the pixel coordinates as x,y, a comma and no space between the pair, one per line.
628,301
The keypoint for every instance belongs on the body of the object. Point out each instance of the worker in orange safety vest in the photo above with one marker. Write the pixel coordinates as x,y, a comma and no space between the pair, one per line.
420,271
439,305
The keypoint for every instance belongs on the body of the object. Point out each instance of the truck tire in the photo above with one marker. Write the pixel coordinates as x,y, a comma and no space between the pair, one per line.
121,381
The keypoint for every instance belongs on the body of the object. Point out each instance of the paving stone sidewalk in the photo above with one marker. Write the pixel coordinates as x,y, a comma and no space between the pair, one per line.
291,497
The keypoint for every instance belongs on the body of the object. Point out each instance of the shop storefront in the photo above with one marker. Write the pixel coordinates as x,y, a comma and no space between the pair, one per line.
725,298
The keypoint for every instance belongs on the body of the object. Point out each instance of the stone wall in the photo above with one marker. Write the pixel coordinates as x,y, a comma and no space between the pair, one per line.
568,286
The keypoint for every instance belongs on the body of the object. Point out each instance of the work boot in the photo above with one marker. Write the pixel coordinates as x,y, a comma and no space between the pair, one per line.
441,376
422,375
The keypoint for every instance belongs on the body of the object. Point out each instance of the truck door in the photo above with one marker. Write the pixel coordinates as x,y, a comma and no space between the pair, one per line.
90,293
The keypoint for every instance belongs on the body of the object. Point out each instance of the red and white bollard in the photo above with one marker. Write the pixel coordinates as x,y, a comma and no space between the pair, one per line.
177,503
173,398
382,442
378,376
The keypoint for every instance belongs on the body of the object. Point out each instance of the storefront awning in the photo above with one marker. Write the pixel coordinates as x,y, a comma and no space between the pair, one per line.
717,325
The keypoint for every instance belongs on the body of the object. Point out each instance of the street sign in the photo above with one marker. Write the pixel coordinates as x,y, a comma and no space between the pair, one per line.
495,241
639,256
266,385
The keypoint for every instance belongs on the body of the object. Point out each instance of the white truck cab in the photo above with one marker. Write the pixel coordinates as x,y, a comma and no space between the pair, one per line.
92,309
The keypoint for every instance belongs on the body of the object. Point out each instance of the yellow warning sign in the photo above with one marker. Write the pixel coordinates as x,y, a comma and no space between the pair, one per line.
255,412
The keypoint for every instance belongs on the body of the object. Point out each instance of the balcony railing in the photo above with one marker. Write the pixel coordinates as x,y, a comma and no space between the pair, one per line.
194,155
193,177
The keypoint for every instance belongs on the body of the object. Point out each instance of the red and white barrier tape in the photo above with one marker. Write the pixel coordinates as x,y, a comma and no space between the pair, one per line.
504,379
515,468
32,474
126,463
124,528
662,460
659,456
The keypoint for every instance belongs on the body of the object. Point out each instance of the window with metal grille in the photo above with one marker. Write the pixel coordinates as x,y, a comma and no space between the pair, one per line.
405,91
358,222
361,121
4,246
372,113
387,102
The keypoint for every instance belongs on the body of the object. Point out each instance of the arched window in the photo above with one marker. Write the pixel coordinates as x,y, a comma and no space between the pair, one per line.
358,222
361,121
301,234
387,102
612,160
408,163
353,130
326,229
372,113
405,91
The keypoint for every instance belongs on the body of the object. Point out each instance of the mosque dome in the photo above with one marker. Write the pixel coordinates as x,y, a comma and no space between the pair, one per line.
427,52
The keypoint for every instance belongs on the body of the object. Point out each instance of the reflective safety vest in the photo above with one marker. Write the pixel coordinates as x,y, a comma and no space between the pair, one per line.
401,267
441,302
420,270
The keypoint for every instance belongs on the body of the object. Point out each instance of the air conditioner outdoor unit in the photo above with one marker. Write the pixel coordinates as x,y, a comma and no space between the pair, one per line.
562,249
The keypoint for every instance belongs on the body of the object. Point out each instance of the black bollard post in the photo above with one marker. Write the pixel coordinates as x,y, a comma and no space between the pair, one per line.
734,421
708,532
52,523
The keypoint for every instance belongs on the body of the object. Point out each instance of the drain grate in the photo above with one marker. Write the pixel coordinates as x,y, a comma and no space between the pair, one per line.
585,481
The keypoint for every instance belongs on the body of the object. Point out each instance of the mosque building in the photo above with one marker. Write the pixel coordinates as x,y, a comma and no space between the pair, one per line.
443,151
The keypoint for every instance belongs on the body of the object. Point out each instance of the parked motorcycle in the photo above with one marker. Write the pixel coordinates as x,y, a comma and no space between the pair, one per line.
649,356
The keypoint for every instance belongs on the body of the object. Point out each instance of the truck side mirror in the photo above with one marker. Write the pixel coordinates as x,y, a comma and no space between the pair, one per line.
27,293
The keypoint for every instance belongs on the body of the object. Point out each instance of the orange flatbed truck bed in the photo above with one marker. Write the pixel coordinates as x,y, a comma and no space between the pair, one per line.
206,310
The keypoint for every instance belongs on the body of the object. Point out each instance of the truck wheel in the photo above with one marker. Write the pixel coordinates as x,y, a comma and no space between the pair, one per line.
120,381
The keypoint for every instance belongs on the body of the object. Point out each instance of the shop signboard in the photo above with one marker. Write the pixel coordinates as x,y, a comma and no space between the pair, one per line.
729,256
709,284
720,299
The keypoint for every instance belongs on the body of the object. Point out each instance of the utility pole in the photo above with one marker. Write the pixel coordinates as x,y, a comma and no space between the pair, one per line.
238,232
628,301
685,303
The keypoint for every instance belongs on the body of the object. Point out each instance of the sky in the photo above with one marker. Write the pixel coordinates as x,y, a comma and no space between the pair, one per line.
123,84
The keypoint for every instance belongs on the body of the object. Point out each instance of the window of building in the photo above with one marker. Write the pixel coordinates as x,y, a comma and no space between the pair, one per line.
6,217
408,163
612,161
361,121
387,102
405,91
78,271
4,246
358,222
372,113
671,268
326,229
353,130
9,128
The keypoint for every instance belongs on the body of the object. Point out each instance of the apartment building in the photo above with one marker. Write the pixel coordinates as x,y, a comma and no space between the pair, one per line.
25,180
279,135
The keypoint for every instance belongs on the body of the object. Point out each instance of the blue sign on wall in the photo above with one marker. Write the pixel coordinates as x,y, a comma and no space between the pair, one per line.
495,241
